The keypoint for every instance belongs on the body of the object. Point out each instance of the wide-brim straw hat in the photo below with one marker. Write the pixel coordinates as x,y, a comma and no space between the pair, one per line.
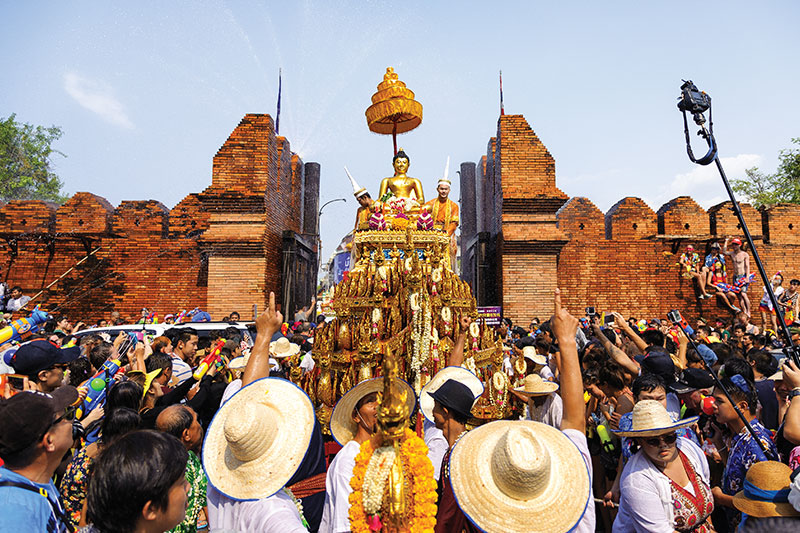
343,428
529,353
534,385
457,373
519,476
766,491
238,363
283,348
651,419
258,438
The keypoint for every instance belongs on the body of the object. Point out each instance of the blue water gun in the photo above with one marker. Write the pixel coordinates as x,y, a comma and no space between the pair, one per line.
98,387
21,326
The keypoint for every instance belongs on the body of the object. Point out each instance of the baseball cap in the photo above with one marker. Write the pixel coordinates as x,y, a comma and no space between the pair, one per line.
693,379
736,241
35,356
26,416
455,396
659,363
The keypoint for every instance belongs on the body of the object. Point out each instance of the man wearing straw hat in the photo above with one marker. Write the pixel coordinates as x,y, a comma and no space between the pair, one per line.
353,422
255,444
541,401
527,476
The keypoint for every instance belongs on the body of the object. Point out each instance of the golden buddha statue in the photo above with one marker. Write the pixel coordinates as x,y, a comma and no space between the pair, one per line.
403,186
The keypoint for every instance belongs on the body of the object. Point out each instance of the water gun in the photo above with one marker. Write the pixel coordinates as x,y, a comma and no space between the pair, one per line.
605,438
210,359
707,405
21,326
98,387
686,327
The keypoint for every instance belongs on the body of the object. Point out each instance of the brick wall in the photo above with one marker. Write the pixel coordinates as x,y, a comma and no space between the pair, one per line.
623,260
219,249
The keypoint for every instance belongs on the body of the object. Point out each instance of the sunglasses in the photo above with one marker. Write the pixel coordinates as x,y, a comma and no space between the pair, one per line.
69,415
668,439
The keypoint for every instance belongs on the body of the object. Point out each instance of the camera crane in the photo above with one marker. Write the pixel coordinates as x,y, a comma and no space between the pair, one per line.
697,102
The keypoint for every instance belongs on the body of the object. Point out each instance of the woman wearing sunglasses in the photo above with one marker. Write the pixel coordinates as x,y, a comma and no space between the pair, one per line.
665,485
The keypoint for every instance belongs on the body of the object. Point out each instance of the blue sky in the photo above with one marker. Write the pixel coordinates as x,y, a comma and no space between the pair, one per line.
147,92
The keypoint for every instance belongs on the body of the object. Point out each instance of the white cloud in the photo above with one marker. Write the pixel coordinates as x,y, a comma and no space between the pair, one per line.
703,183
98,97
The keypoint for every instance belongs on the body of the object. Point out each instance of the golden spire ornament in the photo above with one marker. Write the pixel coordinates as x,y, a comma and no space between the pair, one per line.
393,108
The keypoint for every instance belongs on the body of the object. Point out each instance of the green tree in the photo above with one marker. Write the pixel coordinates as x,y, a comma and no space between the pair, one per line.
768,189
25,162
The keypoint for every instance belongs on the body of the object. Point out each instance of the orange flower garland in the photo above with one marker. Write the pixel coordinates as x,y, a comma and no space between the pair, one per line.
418,468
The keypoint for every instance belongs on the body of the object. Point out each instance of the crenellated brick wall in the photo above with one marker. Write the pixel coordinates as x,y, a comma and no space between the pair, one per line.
623,260
219,249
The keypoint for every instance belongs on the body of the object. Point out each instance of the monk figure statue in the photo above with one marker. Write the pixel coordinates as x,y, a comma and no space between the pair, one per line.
403,186
444,212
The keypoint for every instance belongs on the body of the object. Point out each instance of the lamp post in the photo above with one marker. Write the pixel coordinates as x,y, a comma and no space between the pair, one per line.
319,238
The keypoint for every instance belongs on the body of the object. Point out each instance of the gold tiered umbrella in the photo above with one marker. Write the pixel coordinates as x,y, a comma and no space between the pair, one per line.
393,108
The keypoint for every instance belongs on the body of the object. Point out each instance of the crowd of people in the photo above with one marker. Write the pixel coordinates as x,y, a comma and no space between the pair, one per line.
619,424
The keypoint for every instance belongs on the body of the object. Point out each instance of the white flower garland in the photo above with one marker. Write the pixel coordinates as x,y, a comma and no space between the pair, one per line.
298,504
420,335
375,478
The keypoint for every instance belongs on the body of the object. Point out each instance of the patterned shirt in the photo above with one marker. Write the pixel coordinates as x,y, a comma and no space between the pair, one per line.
75,485
744,453
198,483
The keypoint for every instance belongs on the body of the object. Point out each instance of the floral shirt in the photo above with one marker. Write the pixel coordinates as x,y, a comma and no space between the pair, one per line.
744,453
198,482
690,261
75,485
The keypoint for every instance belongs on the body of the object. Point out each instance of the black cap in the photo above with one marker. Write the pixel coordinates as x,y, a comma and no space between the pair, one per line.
455,396
660,364
693,379
26,416
35,356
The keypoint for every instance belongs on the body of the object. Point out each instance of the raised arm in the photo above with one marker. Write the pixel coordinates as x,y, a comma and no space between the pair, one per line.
619,357
565,326
266,325
457,356
629,332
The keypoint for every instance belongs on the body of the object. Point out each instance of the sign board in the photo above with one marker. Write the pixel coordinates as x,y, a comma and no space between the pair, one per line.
492,315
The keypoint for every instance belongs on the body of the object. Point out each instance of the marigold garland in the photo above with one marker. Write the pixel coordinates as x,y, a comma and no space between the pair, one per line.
418,468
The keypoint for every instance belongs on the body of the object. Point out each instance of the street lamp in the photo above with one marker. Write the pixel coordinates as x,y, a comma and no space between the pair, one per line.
319,237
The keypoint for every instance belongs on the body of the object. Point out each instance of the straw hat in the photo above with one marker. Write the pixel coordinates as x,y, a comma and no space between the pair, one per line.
258,438
343,428
457,373
519,476
650,419
766,491
238,363
534,385
283,348
529,352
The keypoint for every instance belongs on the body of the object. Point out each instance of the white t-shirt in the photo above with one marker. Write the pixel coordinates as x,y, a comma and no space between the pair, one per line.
275,514
588,520
549,413
437,445
180,369
335,517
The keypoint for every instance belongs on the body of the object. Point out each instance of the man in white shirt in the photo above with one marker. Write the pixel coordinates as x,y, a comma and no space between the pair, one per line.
353,421
185,343
17,300
255,444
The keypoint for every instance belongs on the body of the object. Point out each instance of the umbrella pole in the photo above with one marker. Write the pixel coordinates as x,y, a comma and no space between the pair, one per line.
394,136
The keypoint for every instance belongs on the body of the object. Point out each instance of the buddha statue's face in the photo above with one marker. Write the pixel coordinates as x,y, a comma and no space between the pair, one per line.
400,165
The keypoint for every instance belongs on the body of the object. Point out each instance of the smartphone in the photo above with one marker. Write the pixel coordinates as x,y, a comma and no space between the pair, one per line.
590,311
609,319
17,381
674,316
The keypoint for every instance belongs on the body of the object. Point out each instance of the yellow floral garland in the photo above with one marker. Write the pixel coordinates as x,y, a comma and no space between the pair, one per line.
414,454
